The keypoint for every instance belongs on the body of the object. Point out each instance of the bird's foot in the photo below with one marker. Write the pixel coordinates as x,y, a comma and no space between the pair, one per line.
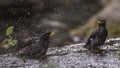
42,57
97,51
86,46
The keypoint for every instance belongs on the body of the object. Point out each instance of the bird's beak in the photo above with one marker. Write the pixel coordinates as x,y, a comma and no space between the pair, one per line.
52,34
99,22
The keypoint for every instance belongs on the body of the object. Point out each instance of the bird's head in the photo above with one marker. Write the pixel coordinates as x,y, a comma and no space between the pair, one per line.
47,35
51,34
102,22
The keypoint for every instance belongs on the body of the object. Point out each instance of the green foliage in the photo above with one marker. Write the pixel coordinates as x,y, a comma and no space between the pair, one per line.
9,30
118,52
9,40
12,42
50,65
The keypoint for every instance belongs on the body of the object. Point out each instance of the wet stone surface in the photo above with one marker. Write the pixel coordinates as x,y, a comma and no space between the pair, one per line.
69,56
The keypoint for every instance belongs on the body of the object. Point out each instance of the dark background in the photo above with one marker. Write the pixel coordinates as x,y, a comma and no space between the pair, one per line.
72,20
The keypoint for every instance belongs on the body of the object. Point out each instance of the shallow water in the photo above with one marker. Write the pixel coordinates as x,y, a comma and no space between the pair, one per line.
69,56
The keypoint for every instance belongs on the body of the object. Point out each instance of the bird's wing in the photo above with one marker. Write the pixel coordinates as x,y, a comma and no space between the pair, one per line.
24,44
92,36
28,42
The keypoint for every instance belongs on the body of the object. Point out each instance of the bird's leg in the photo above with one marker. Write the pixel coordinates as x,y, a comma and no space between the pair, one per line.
87,46
102,51
42,57
95,49
24,59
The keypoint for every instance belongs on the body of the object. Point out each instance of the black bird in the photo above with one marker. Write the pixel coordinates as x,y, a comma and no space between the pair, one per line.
35,47
98,37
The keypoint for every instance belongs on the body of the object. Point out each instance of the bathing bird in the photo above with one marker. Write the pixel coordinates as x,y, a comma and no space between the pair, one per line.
35,47
97,37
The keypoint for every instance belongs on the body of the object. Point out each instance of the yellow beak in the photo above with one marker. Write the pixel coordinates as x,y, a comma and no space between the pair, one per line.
99,22
52,34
